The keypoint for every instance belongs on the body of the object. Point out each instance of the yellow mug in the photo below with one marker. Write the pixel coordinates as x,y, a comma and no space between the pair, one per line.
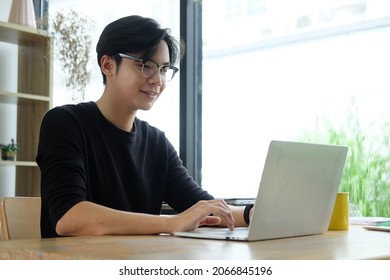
340,215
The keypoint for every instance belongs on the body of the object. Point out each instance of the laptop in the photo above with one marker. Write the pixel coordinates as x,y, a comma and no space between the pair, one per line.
296,195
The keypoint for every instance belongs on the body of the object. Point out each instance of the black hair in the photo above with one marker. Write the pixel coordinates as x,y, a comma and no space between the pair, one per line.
135,34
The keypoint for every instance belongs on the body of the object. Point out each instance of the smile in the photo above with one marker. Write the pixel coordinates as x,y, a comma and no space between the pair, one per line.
149,93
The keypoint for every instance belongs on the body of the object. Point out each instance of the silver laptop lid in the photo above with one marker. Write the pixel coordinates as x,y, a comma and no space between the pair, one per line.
297,190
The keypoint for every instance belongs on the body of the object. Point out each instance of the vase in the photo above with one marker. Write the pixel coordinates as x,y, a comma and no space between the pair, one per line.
22,12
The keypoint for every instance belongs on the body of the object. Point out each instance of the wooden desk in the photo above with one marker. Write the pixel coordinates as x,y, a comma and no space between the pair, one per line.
356,243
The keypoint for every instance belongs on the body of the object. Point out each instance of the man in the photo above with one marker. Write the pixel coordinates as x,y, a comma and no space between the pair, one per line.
103,170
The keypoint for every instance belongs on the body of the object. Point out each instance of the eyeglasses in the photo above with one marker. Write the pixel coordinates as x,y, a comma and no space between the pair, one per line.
149,68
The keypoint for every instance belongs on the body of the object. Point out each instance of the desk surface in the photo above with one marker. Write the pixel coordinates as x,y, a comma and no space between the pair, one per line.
355,243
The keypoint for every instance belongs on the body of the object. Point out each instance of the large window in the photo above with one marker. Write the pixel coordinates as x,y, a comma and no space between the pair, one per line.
314,71
257,70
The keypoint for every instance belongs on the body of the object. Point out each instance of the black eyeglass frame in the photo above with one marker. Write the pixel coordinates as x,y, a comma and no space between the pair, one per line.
159,66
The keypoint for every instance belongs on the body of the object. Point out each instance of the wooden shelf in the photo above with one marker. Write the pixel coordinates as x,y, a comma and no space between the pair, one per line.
19,34
17,163
33,98
11,97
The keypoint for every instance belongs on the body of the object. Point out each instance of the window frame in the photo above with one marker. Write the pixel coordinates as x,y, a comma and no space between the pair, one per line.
191,88
191,75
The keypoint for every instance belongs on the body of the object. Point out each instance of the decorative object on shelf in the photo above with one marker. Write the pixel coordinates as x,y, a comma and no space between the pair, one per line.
8,151
41,8
72,46
22,12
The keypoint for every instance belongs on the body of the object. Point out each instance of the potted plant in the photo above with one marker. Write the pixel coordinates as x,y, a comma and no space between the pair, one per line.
8,151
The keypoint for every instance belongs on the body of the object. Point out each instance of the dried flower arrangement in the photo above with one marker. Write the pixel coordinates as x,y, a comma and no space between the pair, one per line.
72,41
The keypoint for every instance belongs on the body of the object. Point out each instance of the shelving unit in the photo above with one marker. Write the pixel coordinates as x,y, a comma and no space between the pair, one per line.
33,99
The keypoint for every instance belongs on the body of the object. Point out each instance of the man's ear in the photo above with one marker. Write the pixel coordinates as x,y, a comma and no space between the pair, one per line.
107,65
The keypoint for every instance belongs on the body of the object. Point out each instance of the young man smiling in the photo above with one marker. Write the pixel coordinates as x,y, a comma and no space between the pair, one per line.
103,170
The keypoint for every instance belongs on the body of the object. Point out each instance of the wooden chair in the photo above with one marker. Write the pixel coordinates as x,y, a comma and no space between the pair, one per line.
20,217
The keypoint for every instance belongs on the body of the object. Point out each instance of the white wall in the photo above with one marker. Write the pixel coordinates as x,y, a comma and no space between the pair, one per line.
5,8
8,82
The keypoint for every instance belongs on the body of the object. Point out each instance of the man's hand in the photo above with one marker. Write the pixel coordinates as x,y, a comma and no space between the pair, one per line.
203,213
